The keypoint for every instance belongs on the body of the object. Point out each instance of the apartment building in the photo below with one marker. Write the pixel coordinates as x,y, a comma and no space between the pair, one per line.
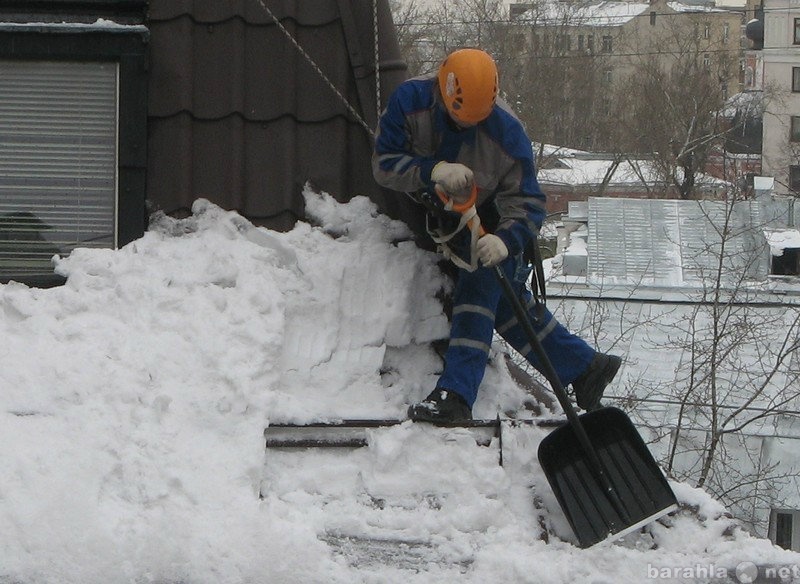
781,56
623,34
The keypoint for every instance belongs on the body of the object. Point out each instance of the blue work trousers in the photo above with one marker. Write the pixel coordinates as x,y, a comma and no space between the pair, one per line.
480,307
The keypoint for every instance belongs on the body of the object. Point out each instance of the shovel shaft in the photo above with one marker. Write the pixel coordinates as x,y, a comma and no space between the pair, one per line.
561,393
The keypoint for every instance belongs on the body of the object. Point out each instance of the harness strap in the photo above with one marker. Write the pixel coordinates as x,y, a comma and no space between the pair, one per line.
533,254
472,221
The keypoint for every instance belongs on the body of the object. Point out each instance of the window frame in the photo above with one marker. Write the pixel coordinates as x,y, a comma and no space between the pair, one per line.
784,528
129,49
794,177
794,129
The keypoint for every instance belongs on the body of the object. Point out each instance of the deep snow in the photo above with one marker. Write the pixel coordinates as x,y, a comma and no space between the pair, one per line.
134,400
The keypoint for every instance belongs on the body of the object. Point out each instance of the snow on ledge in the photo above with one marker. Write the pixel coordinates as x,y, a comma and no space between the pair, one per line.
781,239
101,24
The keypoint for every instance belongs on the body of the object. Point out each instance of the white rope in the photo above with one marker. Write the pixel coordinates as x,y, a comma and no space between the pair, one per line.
324,77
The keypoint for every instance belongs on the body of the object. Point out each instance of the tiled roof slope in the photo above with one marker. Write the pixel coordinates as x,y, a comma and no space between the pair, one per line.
237,114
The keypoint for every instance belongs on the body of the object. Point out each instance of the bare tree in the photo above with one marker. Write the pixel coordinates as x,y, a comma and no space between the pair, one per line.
673,101
411,27
561,93
738,373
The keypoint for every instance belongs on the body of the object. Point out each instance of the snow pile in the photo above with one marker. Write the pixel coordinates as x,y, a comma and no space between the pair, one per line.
134,400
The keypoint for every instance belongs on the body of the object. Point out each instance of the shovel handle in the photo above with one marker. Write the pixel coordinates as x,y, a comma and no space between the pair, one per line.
451,205
463,207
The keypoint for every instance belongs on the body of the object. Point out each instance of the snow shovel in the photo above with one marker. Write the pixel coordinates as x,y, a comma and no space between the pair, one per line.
604,477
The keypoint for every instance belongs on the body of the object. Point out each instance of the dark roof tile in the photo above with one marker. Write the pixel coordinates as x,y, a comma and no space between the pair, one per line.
238,116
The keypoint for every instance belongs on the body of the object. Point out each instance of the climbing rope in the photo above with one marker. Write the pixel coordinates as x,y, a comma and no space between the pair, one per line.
321,73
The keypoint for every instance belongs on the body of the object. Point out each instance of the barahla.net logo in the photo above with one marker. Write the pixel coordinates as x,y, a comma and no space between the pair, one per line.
743,573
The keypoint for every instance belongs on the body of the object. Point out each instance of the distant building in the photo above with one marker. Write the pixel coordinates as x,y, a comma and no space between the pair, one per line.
622,32
639,277
568,175
781,150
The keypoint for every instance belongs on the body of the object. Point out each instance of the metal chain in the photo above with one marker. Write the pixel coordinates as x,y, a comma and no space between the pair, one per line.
324,77
377,61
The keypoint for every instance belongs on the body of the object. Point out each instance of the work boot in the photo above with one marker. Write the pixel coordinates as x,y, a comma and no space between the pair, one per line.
591,384
442,405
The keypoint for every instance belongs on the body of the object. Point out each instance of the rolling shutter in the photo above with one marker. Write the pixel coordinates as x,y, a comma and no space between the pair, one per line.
58,162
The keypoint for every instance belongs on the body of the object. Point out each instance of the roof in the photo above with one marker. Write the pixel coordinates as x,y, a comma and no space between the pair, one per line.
668,249
579,168
239,116
645,299
781,239
605,13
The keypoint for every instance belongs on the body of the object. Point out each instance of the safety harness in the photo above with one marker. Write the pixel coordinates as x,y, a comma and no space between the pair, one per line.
469,219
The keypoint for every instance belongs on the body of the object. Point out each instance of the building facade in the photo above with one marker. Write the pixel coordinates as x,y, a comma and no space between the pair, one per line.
624,34
781,56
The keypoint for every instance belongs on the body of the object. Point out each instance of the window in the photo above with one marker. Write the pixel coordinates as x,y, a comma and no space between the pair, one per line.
580,42
786,264
59,123
797,31
608,75
796,79
73,115
608,44
794,133
726,32
794,177
590,43
706,60
706,31
781,528
653,18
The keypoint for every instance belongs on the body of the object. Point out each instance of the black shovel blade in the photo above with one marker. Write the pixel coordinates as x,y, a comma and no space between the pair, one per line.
631,469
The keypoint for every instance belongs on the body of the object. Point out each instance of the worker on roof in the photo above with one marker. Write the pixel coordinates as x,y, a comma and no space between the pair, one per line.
443,137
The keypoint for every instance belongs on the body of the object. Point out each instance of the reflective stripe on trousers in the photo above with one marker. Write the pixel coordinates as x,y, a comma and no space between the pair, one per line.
479,305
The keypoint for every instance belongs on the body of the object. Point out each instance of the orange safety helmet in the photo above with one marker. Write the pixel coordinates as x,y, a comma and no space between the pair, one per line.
468,82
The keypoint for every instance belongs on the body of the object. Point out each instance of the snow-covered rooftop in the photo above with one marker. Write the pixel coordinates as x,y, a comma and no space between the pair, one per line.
603,13
135,396
576,167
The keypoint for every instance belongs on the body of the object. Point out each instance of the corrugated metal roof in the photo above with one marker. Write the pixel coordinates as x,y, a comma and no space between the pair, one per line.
675,242
237,115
